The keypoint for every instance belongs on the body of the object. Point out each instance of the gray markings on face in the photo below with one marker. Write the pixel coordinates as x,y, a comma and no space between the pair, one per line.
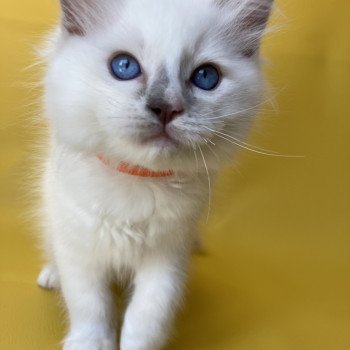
185,73
159,94
157,90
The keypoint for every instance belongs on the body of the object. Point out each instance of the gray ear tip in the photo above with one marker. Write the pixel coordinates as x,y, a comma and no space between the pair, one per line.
72,16
228,2
249,20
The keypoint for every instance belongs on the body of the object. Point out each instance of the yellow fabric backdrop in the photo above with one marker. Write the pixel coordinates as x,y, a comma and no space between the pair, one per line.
276,268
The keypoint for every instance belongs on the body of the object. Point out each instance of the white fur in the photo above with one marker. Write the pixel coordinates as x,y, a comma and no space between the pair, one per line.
103,225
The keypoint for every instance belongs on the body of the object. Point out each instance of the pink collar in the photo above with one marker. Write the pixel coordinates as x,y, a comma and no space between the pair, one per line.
135,170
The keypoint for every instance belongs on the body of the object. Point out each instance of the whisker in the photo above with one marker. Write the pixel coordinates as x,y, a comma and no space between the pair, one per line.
232,114
242,142
210,141
219,134
269,100
209,182
211,149
195,155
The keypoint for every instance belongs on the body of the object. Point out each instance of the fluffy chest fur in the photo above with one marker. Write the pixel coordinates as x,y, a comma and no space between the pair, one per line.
119,216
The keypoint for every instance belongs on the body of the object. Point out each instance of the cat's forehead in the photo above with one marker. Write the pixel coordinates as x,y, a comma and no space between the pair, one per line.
166,25
171,13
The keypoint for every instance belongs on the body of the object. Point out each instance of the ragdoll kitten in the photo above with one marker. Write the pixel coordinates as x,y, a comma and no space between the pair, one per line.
145,99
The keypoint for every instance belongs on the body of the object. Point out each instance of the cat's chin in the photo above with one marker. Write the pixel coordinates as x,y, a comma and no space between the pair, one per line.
162,142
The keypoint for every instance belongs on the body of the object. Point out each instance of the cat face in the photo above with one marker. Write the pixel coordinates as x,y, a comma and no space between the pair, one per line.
153,81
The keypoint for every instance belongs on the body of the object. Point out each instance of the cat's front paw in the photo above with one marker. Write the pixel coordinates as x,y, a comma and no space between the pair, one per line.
49,278
141,342
89,343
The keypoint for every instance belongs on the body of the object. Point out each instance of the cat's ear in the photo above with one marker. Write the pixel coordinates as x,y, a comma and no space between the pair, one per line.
250,18
79,15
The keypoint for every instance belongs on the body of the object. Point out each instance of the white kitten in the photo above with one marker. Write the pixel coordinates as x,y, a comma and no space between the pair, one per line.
140,94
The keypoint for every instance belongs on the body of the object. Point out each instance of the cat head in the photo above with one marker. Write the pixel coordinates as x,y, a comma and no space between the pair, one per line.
156,82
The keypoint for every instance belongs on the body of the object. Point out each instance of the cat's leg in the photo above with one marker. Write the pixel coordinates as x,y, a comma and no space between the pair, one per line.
88,299
49,277
158,290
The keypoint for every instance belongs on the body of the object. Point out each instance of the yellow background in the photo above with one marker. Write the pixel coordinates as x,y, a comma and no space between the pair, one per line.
276,269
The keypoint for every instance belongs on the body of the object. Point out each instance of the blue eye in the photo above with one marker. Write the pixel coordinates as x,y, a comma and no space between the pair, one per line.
125,67
206,77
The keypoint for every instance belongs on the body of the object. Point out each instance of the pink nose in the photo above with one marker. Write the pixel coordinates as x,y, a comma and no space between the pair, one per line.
166,113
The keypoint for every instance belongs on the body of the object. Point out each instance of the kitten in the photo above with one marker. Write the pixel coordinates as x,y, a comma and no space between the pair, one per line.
145,100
